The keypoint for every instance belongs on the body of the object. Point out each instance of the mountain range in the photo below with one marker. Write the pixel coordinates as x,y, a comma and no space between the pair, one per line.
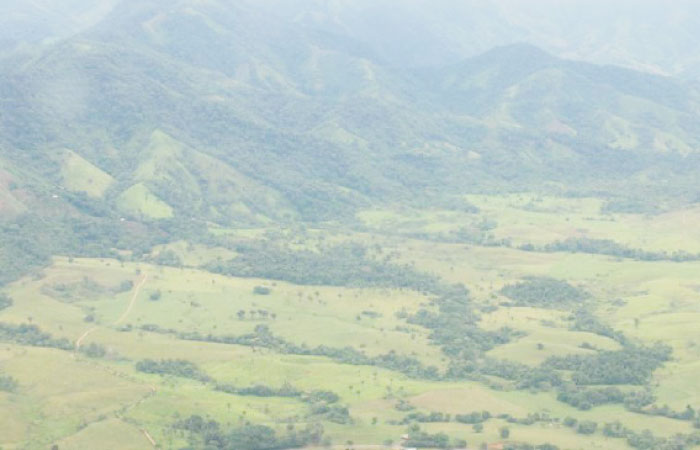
238,113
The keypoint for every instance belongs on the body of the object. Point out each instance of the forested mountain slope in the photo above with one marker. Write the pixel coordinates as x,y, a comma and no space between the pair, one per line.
235,113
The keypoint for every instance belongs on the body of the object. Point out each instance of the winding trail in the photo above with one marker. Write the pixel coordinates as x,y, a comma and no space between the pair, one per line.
124,315
132,301
83,336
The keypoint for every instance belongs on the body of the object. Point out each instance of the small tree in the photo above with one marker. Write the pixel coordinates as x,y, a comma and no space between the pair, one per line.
505,432
261,290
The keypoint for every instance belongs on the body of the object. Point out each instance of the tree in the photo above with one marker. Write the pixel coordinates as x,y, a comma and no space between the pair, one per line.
505,432
261,290
478,427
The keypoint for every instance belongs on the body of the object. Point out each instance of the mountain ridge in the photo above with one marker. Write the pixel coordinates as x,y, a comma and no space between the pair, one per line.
293,126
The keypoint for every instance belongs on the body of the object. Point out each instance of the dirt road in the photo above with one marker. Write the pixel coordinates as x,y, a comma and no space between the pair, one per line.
124,315
133,299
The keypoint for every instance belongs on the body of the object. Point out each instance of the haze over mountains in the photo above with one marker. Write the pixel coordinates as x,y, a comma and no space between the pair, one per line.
248,112
275,224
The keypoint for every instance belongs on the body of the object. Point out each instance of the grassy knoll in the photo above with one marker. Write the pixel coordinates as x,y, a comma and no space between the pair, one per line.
80,175
140,201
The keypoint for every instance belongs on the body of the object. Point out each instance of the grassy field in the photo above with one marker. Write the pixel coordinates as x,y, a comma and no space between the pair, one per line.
66,398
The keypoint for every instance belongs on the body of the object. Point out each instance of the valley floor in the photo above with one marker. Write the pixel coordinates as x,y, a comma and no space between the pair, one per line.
241,340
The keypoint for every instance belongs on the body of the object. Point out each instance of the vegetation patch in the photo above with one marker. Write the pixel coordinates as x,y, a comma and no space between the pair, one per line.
5,301
8,383
211,434
339,265
27,334
610,248
544,292
631,365
174,367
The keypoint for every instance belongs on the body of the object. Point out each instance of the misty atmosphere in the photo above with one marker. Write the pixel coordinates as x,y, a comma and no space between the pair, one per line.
349,224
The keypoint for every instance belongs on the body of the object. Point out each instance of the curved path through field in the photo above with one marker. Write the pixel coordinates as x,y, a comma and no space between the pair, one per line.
137,289
133,299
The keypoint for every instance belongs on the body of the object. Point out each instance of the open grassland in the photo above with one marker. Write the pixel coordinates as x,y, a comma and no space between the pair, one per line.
79,175
140,310
528,218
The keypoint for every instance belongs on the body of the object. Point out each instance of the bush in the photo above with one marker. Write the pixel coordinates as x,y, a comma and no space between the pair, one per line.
5,301
261,290
586,427
93,350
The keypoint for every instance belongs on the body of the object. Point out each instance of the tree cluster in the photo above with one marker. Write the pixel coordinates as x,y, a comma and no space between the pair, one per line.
210,434
175,367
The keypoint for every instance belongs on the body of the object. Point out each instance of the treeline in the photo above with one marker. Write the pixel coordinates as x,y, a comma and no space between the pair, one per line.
286,390
587,398
544,292
438,417
610,248
422,439
630,365
431,417
210,434
340,265
321,403
584,320
688,413
174,367
644,440
524,446
522,375
262,337
85,288
477,234
31,335
28,241
259,390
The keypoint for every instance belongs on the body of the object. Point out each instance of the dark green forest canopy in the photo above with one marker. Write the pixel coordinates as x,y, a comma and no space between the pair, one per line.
338,265
545,292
